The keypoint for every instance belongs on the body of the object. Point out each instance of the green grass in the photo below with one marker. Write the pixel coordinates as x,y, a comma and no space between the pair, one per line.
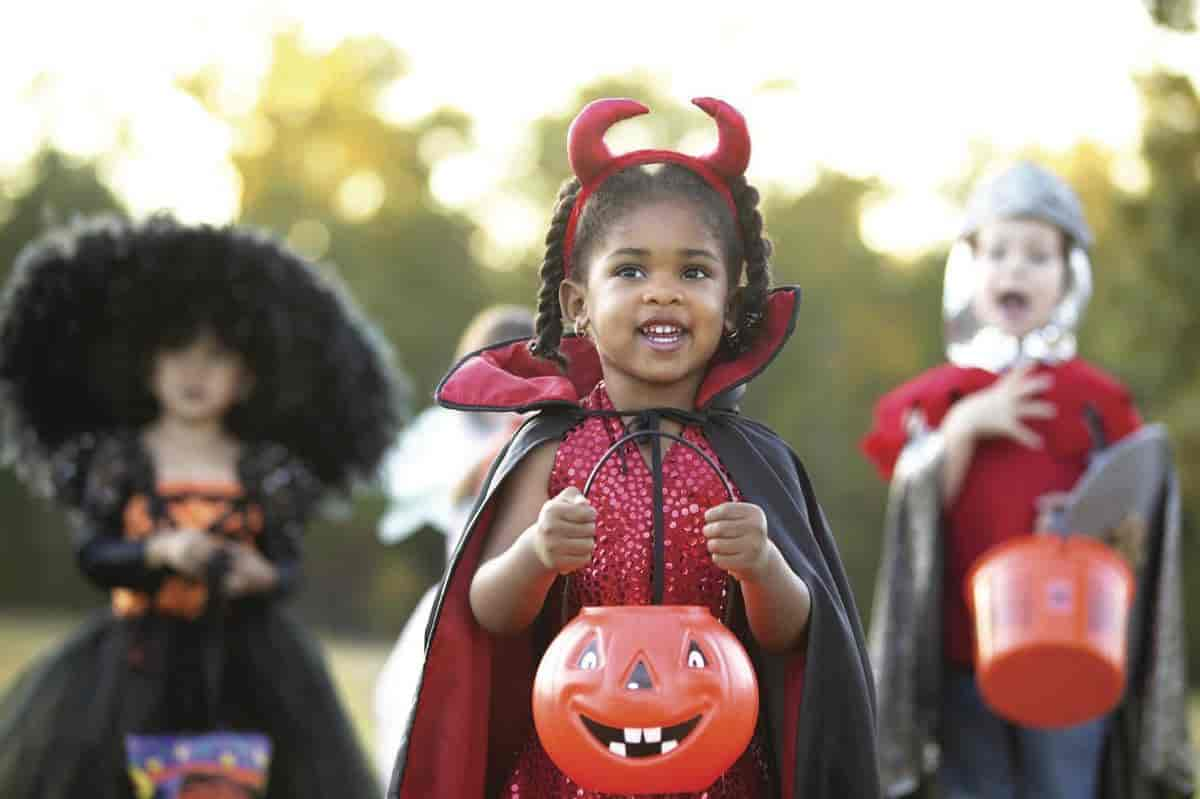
354,663
23,636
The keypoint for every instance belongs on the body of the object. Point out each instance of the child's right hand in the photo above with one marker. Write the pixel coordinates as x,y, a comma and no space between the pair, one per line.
185,551
1003,408
565,532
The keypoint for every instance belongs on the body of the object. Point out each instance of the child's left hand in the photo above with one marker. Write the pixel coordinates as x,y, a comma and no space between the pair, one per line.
737,540
249,572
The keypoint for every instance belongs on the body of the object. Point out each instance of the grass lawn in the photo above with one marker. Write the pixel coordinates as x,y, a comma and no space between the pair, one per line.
354,663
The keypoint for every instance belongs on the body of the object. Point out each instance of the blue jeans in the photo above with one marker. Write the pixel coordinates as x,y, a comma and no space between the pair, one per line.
986,757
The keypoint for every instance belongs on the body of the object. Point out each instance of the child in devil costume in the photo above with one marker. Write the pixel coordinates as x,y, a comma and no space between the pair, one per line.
190,393
980,451
663,273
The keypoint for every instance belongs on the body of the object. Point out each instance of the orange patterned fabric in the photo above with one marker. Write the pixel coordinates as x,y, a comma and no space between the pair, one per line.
196,506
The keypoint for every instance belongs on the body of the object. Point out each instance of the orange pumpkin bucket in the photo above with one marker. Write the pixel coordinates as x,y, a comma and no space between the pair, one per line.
649,699
645,699
1050,619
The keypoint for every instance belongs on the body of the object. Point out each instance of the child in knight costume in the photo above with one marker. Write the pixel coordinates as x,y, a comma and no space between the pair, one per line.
987,448
659,262
189,394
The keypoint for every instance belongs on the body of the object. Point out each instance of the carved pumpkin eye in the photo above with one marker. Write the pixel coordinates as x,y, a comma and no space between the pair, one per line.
696,659
590,659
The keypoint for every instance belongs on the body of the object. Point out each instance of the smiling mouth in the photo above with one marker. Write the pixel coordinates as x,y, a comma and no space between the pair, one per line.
640,741
663,335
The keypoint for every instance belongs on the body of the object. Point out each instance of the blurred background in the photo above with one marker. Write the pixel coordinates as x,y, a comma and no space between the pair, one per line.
416,150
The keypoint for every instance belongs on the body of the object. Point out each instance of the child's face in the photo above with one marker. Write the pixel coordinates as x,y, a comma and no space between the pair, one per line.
655,298
1022,274
199,381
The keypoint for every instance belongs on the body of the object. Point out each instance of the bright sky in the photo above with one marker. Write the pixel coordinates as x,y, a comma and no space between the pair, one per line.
903,91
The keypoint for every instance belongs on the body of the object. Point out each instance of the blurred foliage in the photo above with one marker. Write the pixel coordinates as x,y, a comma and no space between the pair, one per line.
540,177
1178,14
38,569
320,166
323,168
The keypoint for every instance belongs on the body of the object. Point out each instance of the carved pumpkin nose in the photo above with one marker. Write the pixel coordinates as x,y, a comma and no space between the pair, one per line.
640,679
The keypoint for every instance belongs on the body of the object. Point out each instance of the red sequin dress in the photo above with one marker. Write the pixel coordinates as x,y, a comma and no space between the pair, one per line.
620,571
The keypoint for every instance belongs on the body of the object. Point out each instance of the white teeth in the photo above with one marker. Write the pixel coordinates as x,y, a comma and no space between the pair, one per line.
653,734
661,330
633,735
617,749
668,746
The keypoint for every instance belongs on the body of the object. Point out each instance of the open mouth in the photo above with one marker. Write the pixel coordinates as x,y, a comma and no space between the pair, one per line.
1013,302
640,741
661,334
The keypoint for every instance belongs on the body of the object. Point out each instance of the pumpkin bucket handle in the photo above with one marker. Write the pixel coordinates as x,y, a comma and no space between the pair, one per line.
614,449
628,437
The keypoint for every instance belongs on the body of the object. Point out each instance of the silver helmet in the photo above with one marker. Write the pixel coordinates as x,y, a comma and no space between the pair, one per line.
1023,190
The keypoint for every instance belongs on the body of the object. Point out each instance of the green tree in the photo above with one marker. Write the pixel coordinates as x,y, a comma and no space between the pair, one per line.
1178,14
1144,318
866,324
321,166
38,567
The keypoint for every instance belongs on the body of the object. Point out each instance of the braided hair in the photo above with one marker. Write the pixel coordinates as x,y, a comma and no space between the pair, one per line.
744,244
548,324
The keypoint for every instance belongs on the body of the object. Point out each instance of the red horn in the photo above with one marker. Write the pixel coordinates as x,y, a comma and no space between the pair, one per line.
732,153
585,139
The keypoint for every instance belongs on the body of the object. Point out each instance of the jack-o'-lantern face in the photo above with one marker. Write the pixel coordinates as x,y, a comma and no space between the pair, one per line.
645,699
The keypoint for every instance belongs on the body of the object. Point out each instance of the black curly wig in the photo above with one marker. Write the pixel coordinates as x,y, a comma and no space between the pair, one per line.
89,304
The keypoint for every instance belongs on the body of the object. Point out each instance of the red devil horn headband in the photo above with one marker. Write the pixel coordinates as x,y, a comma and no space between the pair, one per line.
593,162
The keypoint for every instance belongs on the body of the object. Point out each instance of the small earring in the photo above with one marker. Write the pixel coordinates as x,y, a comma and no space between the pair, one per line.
581,326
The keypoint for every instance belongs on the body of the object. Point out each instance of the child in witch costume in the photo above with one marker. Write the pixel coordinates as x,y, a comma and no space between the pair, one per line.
663,273
980,451
190,393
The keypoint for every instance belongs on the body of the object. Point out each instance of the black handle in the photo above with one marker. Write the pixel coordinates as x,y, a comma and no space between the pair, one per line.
595,472
625,439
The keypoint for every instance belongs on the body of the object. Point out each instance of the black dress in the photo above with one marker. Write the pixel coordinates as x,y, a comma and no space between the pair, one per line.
139,667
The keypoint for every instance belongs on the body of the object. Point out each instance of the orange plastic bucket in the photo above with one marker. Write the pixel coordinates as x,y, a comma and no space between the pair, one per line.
1050,619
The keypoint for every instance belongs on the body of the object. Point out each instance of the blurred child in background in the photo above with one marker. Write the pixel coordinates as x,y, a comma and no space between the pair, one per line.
978,450
431,477
189,393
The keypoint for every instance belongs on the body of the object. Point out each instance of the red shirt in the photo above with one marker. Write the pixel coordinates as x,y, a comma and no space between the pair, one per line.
997,501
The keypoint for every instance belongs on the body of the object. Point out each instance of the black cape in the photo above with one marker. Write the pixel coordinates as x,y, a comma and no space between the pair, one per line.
472,710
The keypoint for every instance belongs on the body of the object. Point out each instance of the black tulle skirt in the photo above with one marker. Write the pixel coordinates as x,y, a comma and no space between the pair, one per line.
64,721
